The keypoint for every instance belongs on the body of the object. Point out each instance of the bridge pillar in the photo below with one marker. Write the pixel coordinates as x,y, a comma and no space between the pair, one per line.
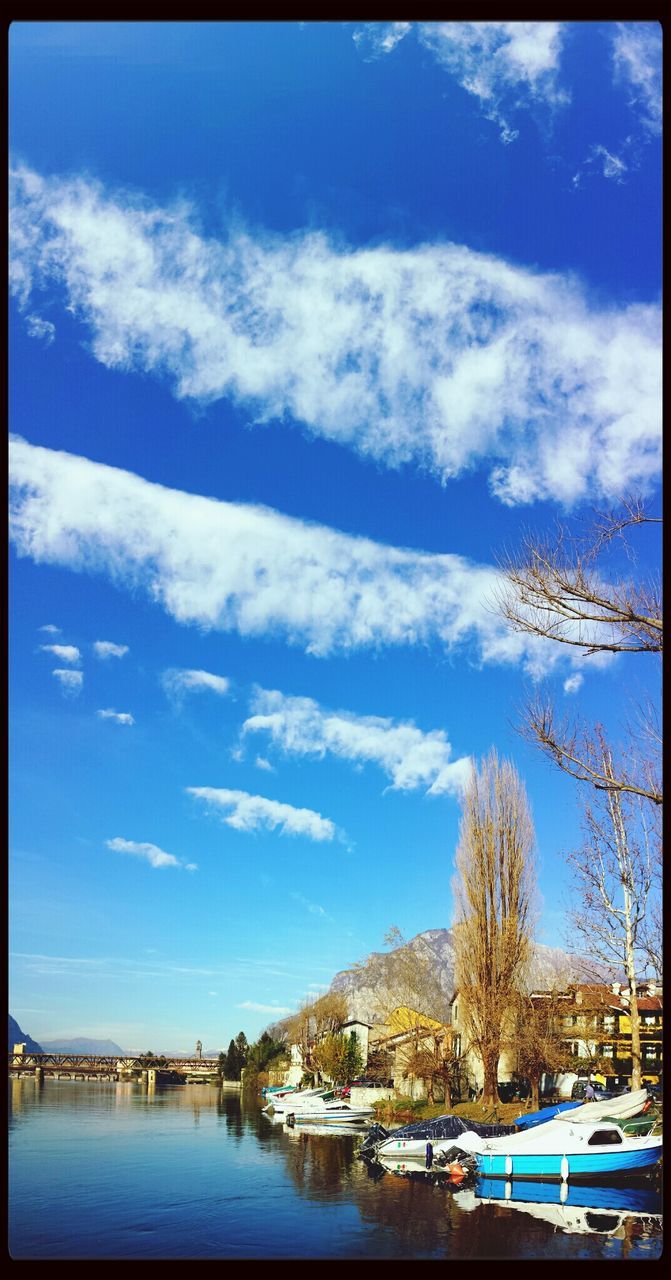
39,1075
151,1077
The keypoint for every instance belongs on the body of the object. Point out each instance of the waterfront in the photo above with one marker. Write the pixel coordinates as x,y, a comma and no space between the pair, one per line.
114,1170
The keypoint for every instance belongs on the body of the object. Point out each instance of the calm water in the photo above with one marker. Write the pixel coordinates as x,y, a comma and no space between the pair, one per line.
103,1170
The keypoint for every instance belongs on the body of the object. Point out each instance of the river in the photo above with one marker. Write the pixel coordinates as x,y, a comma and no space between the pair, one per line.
114,1170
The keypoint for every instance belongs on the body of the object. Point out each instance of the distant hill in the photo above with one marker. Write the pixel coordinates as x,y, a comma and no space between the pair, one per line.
83,1044
17,1036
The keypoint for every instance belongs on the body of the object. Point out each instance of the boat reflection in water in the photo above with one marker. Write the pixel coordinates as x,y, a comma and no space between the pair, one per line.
578,1209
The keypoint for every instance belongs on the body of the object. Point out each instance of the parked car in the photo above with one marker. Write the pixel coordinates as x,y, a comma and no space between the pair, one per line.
514,1090
371,1084
600,1095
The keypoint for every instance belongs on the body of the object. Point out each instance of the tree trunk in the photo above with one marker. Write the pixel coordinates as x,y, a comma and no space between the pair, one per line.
490,1093
633,996
635,1039
535,1094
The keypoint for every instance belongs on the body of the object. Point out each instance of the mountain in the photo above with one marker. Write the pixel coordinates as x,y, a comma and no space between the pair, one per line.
17,1036
384,979
82,1044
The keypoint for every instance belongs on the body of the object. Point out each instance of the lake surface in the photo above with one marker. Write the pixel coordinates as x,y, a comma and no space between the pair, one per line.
114,1170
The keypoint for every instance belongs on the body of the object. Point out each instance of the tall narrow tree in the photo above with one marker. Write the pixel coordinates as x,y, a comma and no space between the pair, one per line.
494,891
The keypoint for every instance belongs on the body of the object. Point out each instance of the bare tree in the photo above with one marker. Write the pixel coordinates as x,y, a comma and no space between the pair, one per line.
615,873
540,1038
554,589
494,893
434,1060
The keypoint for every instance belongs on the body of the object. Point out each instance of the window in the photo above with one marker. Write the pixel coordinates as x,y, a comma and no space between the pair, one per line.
609,1022
605,1138
455,1014
607,1051
650,1022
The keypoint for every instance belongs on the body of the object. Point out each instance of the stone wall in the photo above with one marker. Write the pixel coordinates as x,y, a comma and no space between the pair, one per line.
366,1097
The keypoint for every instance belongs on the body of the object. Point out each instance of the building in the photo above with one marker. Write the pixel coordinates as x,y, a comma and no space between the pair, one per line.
596,1025
472,1071
405,1034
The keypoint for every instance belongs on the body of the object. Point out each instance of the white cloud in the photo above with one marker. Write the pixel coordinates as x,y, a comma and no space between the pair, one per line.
637,61
507,66
71,681
436,354
66,652
150,852
252,813
176,682
374,39
107,649
120,717
39,328
262,763
408,756
573,683
231,567
601,160
49,626
278,1009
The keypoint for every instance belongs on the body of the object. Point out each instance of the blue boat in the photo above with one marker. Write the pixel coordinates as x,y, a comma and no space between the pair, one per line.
532,1118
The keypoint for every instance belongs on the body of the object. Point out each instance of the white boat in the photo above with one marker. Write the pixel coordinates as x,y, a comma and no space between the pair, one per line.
280,1104
336,1112
560,1149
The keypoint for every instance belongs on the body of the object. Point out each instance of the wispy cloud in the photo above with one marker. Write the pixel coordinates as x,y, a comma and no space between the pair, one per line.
107,649
573,683
637,61
230,567
66,652
119,717
150,852
262,763
507,66
409,756
253,1005
246,812
600,161
313,907
37,327
70,681
49,626
177,682
437,354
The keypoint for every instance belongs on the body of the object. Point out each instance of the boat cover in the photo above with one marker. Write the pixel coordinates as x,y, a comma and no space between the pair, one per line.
434,1130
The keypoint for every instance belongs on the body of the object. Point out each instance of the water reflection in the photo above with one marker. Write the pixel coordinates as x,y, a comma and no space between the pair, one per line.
85,1154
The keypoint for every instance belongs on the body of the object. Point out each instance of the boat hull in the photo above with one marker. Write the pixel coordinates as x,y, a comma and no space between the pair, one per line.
573,1166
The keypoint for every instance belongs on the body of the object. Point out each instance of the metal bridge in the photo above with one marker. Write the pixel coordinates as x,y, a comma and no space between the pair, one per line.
87,1066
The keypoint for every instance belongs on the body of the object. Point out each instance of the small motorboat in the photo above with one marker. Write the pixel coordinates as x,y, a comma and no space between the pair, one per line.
561,1148
279,1103
336,1112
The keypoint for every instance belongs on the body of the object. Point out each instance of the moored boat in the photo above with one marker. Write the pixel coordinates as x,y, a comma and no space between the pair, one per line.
560,1149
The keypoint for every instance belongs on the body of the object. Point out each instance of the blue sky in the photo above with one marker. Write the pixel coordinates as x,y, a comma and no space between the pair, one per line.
309,323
